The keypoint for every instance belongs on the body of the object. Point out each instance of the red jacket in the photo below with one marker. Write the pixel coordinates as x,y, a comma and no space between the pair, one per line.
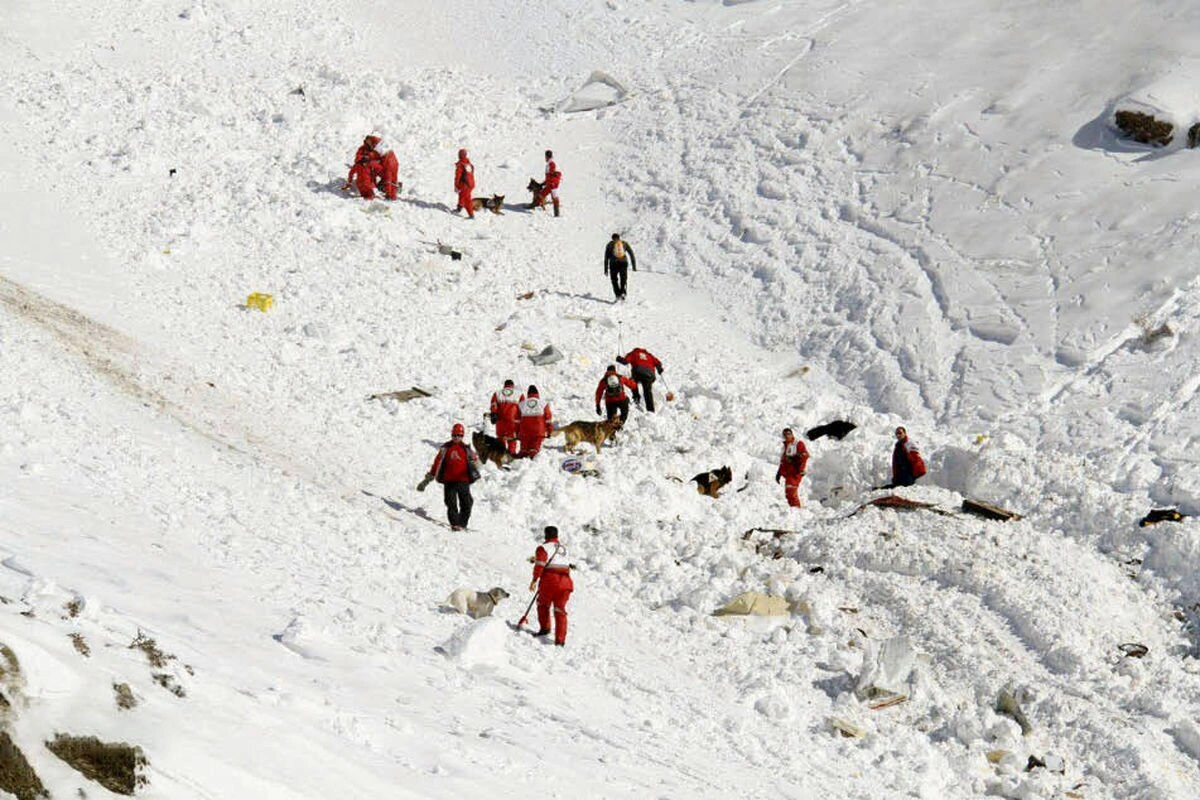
507,409
793,461
455,462
638,357
558,567
617,394
464,175
535,417
907,464
553,176
365,158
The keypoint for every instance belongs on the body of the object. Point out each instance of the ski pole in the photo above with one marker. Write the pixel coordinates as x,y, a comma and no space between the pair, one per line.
620,350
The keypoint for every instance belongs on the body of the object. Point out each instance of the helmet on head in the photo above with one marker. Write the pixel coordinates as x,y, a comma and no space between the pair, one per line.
550,532
531,391
462,153
509,382
458,429
549,154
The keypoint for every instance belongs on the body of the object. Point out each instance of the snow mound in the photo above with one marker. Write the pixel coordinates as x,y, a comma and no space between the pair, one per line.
1159,112
481,643
600,90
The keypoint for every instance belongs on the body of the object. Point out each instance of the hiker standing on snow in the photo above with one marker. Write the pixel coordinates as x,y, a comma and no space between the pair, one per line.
793,463
505,414
456,467
618,257
464,183
552,579
374,163
907,464
549,184
534,424
643,366
612,389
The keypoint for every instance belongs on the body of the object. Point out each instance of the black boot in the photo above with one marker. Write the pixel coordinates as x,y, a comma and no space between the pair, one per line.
543,632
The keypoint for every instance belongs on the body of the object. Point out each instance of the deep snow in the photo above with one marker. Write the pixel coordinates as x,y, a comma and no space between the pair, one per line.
892,213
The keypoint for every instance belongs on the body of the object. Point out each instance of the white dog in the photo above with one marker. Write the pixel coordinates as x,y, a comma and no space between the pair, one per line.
475,604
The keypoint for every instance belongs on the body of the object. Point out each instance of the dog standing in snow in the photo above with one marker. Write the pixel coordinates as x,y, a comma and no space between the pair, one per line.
475,604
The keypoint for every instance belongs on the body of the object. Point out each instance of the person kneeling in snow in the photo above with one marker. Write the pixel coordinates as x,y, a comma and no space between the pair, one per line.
375,166
793,463
552,579
456,467
907,464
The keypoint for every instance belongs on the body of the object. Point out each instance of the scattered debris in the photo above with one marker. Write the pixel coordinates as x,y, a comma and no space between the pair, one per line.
73,607
1133,649
114,765
526,296
168,682
16,776
157,658
600,90
1033,763
899,503
299,90
447,250
548,355
1006,703
260,300
835,430
846,728
1158,515
887,669
401,396
124,695
815,570
996,756
988,511
755,604
81,645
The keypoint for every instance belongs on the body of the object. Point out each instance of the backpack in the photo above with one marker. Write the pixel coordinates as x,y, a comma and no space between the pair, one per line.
618,252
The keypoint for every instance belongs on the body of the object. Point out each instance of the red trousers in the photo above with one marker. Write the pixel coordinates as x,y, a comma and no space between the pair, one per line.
507,432
531,444
791,488
390,174
554,590
464,201
364,180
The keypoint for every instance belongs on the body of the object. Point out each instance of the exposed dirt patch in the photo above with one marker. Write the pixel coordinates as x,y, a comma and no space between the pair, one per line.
124,695
1144,128
73,607
81,645
114,765
16,776
157,658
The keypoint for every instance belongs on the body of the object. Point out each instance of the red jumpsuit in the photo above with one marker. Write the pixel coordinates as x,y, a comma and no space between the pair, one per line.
534,426
550,184
615,400
367,164
464,182
792,464
506,410
553,574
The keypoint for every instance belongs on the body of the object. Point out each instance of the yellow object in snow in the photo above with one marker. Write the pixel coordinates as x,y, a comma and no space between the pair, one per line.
981,438
260,301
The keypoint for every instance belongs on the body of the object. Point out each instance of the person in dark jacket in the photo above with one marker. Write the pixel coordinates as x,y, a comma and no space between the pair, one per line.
618,258
643,367
456,467
907,464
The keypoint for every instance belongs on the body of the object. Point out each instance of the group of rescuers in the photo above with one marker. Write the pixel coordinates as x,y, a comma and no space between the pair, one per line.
523,422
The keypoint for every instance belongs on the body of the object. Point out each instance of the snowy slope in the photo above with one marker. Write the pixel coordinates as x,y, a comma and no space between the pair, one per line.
891,213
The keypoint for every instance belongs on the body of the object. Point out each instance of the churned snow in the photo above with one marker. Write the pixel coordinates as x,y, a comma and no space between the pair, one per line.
907,213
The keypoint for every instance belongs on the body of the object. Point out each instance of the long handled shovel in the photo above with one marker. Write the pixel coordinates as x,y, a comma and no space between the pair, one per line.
525,617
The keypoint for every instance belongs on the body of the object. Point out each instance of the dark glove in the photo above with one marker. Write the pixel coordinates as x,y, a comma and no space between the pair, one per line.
637,398
777,477
598,409
424,482
659,368
493,417
606,272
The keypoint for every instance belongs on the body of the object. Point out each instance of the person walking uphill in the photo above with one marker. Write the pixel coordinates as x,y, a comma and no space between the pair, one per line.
464,183
618,258
552,579
612,389
505,414
535,423
793,463
907,464
643,366
456,467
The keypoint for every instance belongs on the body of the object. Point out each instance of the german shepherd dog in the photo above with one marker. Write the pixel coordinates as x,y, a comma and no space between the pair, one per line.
489,448
535,189
711,483
494,204
584,431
